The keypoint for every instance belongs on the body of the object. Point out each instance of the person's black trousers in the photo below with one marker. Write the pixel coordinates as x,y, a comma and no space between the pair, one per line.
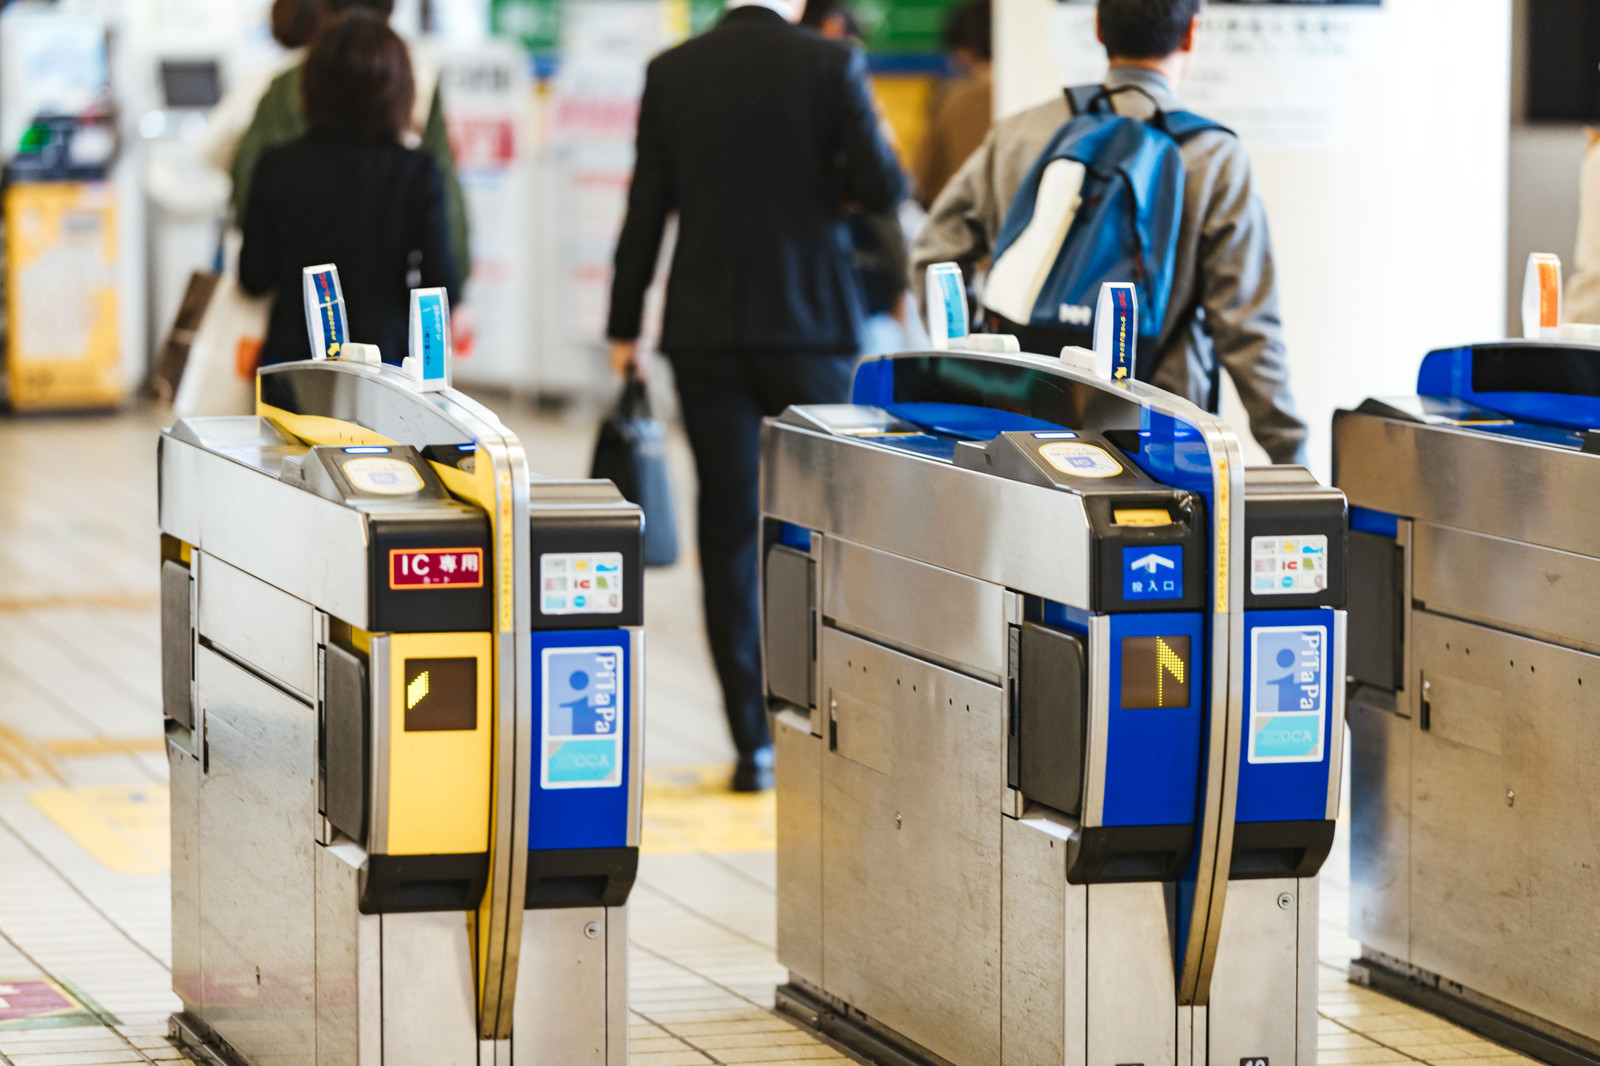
723,399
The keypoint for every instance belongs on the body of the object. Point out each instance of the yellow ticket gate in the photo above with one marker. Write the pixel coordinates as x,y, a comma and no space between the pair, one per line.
364,747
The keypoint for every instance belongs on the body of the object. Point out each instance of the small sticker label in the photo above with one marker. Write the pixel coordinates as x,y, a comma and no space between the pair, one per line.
1080,460
1288,566
580,583
1289,693
383,477
585,714
435,568
1152,573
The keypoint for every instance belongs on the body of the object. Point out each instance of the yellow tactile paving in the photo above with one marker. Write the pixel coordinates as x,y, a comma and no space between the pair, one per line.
124,826
689,809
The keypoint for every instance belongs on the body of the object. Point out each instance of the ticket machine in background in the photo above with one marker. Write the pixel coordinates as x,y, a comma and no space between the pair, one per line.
71,295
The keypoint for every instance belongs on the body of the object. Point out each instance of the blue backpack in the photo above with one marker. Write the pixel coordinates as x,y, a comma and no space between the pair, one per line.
1103,203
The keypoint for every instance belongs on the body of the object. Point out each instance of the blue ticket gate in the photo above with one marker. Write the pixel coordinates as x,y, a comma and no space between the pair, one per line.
1058,725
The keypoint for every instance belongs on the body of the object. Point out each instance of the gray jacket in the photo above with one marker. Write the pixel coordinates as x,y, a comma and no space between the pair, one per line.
1224,303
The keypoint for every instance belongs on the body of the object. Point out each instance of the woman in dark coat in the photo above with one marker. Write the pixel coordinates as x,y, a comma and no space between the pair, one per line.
348,193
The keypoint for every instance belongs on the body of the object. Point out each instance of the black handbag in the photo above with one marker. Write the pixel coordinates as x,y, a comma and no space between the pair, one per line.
631,452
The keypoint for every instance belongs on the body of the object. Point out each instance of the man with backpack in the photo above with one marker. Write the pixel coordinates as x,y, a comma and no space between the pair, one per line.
1070,194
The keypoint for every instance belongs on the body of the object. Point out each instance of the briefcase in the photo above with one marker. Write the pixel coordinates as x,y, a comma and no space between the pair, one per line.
631,452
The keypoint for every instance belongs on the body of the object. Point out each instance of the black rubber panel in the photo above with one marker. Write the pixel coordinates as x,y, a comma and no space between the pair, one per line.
1376,603
402,884
581,877
787,632
1119,854
1279,849
177,645
1051,724
346,742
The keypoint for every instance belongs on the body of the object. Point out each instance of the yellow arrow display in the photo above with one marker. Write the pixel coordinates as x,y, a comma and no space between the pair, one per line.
1167,662
417,691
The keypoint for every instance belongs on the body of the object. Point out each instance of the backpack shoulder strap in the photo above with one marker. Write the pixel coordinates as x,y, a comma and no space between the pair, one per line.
1084,99
1181,125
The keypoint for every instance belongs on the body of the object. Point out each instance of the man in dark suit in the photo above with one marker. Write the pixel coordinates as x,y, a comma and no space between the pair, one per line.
760,136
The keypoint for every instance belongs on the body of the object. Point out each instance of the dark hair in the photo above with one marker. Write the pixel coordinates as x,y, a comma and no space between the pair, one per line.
970,27
357,79
1145,29
295,22
819,11
382,7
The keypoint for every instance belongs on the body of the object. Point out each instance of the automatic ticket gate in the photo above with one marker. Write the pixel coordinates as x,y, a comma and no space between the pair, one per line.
403,712
1058,723
1475,565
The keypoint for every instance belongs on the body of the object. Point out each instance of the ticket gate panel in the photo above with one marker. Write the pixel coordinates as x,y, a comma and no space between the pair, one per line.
349,964
927,611
585,695
1509,732
908,811
1043,1002
1380,812
1289,766
1565,611
434,743
562,995
799,819
257,912
1263,953
1153,721
1131,999
273,640
428,1021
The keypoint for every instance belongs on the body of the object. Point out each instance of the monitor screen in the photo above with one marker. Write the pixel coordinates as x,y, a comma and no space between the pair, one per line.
190,83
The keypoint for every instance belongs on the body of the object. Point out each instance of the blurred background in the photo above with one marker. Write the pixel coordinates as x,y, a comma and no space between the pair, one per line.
1412,153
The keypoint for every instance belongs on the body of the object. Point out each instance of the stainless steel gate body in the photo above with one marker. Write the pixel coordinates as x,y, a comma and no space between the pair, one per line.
929,908
1475,847
351,723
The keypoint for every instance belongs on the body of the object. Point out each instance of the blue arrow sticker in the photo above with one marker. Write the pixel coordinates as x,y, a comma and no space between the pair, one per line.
1152,573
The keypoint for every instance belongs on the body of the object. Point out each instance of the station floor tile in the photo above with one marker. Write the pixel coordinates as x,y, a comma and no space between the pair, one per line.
84,921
